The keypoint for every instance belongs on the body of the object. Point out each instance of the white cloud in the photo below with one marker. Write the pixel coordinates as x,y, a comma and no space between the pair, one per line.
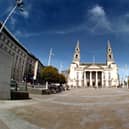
98,20
18,33
60,32
121,23
25,13
26,34
97,11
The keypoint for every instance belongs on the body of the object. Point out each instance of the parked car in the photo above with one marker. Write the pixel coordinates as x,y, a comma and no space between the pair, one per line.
56,88
46,91
53,89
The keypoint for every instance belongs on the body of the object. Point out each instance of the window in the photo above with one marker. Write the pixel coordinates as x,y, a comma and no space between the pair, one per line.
11,46
76,56
77,75
109,56
5,48
9,52
109,75
6,40
1,45
2,37
13,54
15,48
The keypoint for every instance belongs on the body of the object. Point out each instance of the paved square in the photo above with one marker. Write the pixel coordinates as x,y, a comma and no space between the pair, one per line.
74,109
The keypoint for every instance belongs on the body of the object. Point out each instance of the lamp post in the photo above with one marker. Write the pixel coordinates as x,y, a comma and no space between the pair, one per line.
49,63
19,5
60,68
50,55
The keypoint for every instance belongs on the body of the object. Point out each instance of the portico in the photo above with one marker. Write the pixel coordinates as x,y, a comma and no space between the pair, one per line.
93,78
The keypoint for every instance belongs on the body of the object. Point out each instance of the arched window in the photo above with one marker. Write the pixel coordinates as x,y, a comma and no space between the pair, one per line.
110,56
76,49
76,56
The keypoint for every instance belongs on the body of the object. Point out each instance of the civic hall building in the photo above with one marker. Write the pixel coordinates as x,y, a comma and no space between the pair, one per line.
93,74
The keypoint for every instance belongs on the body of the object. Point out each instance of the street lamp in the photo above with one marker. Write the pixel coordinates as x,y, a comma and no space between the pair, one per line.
19,5
49,63
49,58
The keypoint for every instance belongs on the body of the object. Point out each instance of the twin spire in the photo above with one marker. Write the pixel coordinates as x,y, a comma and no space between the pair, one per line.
110,58
76,57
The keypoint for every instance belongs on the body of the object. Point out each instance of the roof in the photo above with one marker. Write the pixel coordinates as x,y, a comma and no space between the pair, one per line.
13,38
99,64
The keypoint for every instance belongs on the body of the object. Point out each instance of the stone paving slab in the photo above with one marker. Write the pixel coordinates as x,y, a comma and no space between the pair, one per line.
79,109
11,121
3,125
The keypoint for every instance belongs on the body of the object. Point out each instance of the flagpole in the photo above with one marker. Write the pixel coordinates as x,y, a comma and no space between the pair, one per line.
49,62
49,58
11,12
61,66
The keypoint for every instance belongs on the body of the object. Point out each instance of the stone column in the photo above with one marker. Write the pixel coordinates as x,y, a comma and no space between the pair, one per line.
96,79
85,81
102,80
90,78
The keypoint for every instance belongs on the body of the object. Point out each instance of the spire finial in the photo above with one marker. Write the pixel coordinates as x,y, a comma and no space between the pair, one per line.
109,44
110,58
78,43
76,57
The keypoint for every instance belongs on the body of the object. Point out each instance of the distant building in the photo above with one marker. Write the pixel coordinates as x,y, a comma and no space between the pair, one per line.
93,74
22,60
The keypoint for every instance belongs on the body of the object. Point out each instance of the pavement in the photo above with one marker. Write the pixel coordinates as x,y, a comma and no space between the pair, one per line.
87,108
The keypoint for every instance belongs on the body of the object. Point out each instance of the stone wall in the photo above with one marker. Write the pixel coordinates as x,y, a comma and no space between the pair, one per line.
5,74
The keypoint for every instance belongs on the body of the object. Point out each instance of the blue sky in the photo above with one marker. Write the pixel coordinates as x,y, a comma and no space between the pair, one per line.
58,24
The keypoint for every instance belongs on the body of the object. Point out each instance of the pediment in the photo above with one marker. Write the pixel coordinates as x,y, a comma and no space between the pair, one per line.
93,66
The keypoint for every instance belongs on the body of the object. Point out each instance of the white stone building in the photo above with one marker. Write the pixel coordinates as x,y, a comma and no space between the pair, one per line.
93,74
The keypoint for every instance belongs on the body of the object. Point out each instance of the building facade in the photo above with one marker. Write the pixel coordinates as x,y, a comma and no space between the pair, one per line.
5,73
22,60
93,74
33,68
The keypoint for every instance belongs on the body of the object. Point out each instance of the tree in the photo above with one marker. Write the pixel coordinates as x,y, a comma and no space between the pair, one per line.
50,74
62,79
